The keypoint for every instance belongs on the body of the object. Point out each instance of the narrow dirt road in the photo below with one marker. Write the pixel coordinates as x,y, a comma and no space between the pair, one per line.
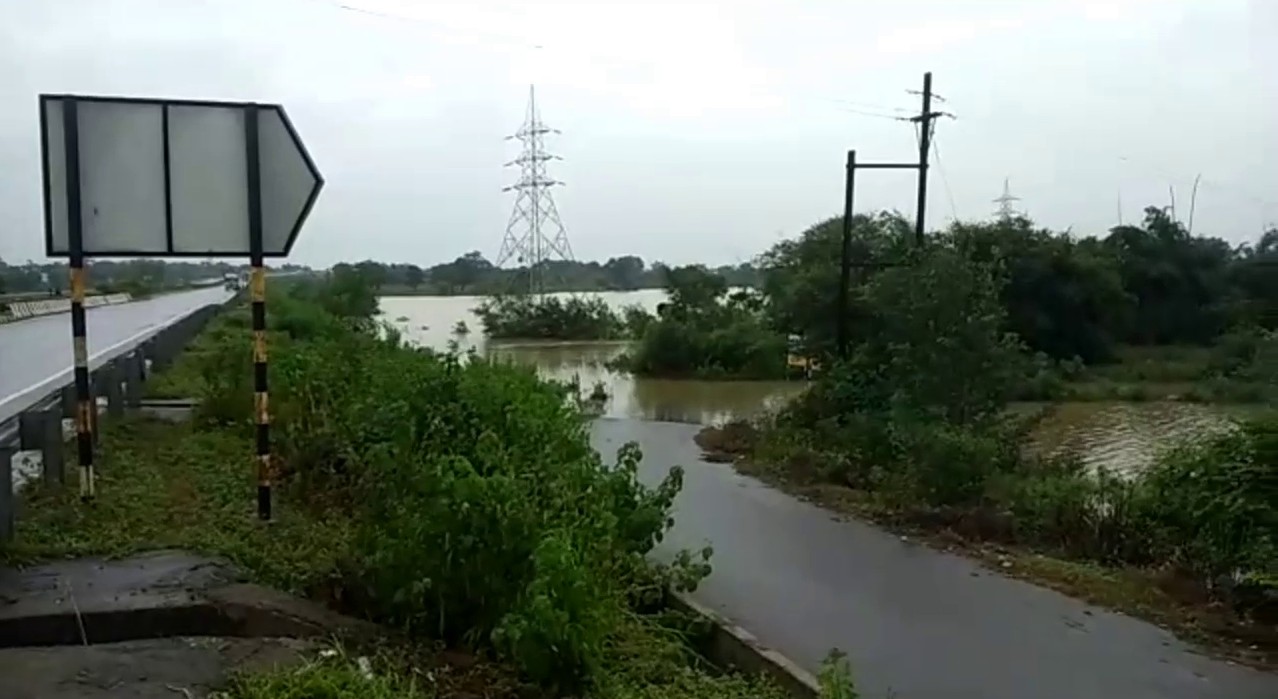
916,622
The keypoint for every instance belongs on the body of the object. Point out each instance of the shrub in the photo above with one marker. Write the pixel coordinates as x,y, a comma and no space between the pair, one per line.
636,320
705,332
548,318
1214,502
480,512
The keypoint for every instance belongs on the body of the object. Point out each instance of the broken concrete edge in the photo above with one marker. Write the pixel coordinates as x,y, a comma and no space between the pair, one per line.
731,647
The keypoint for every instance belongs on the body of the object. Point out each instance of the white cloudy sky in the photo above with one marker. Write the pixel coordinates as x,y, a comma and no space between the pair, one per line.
701,130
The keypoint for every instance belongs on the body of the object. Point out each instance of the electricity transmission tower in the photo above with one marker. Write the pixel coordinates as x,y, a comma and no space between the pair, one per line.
535,234
1005,209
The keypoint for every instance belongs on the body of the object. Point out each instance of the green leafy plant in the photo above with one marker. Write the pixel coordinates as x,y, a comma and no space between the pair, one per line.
479,513
548,318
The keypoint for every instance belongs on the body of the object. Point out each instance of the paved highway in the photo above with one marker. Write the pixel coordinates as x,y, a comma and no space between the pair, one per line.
35,354
916,622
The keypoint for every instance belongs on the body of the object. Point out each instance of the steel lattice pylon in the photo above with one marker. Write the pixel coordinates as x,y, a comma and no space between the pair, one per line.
1005,201
534,234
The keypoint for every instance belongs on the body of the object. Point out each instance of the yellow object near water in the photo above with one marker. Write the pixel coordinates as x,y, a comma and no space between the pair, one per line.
797,358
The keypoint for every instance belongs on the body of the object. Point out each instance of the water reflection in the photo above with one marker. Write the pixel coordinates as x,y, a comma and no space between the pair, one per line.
429,321
1123,437
1127,437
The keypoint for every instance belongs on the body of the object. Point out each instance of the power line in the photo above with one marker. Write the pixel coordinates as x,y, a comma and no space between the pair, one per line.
444,29
945,180
923,128
876,111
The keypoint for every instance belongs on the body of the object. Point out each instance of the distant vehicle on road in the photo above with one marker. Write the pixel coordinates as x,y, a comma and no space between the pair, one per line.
233,281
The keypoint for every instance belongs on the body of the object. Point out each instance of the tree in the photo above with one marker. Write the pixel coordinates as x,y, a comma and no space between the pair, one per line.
414,276
1180,283
934,347
801,276
1255,275
694,290
1062,299
624,272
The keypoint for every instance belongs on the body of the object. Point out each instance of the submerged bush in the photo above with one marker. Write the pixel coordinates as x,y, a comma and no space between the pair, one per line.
706,332
549,318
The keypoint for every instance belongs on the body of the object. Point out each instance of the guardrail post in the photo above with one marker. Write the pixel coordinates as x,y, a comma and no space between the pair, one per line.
42,430
148,354
69,402
6,492
161,349
112,375
133,377
96,384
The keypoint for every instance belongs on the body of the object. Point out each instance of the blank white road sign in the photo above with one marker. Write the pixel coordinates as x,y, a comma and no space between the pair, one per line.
171,178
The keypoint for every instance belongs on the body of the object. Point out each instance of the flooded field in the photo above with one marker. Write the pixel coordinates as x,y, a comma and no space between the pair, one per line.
1125,437
1119,436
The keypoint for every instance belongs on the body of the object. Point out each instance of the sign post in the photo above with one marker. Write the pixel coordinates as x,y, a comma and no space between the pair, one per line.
129,177
86,406
257,286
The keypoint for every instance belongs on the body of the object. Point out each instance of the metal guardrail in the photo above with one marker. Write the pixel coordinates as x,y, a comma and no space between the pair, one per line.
120,379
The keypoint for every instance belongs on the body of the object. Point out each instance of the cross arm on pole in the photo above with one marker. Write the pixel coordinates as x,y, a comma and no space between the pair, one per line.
887,166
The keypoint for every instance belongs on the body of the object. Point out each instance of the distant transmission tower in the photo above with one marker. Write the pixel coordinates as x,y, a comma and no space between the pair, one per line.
1005,209
534,234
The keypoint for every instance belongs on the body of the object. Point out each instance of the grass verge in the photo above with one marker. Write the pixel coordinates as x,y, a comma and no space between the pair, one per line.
166,485
176,485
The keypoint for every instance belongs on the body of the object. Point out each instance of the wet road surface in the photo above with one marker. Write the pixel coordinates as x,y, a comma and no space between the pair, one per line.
916,622
38,350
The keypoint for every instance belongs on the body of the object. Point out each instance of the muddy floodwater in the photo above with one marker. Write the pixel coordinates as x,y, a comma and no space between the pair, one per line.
1123,437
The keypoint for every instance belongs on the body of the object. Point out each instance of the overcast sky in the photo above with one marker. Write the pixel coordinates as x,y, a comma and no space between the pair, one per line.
693,130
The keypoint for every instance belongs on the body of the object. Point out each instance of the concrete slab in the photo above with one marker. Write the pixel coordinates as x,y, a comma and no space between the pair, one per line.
165,668
153,595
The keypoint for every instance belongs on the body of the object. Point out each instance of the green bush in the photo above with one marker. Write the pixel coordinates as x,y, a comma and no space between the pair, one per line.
704,332
480,513
1214,502
636,320
548,318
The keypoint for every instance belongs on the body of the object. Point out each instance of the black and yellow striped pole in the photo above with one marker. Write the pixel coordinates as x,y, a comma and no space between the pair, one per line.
85,407
261,402
257,295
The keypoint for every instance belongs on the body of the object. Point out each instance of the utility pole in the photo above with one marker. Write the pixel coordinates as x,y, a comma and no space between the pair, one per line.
924,119
925,144
845,260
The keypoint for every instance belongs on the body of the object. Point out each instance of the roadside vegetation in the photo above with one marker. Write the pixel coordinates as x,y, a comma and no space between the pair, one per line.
456,502
912,427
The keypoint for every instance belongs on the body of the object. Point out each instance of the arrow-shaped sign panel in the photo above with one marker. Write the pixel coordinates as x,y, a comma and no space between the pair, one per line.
172,178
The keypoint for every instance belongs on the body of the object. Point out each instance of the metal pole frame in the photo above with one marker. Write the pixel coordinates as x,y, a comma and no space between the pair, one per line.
257,290
845,261
86,409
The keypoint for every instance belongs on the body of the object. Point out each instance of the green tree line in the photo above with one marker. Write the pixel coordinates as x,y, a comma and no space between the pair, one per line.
473,274
1065,296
